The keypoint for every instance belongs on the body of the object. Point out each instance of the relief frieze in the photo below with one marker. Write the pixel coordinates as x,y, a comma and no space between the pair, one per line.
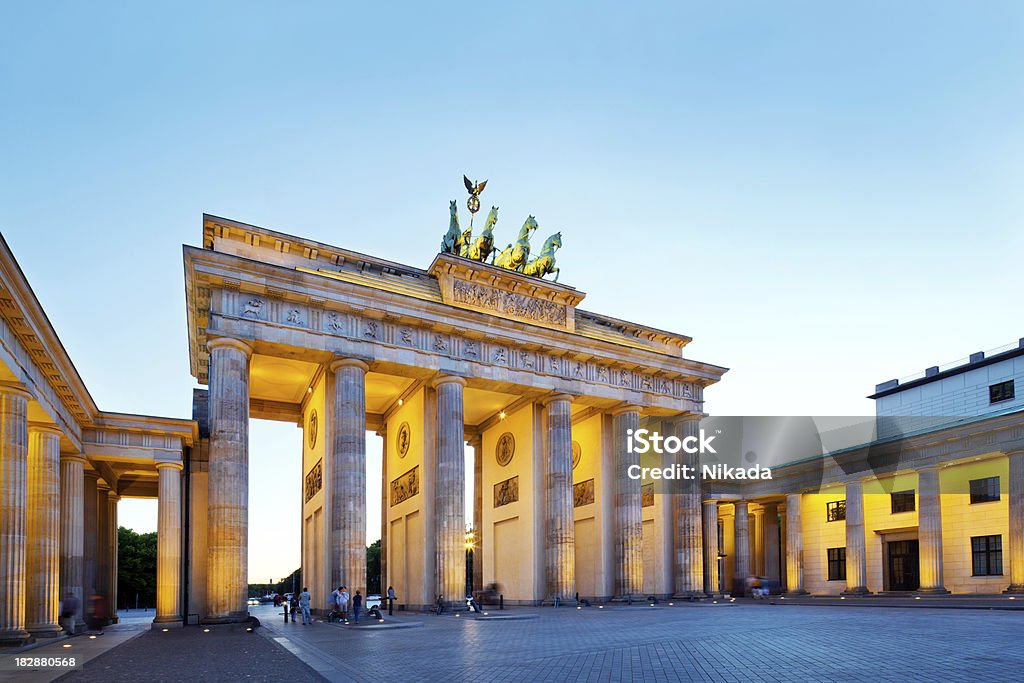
510,304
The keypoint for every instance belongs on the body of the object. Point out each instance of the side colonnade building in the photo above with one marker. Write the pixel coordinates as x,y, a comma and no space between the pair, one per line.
64,464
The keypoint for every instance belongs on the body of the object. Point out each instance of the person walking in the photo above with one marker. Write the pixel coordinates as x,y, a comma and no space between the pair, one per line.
357,604
343,603
69,612
391,600
304,598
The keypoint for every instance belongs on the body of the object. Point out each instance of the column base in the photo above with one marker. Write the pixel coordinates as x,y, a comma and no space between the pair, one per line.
1017,589
795,593
46,630
859,590
939,590
168,622
233,618
690,595
15,637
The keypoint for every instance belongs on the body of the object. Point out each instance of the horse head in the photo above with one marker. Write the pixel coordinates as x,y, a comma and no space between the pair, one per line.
528,226
492,218
554,242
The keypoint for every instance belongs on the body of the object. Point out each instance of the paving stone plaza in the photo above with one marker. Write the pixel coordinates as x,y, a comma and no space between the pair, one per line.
742,641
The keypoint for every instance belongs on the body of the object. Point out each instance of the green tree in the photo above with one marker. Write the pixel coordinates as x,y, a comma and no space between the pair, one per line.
136,568
373,568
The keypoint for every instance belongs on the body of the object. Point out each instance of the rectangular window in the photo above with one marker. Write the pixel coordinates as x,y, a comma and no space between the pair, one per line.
902,501
987,555
1000,392
836,511
984,490
837,564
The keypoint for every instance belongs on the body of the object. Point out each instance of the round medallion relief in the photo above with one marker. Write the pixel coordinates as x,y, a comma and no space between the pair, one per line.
577,453
505,449
311,428
403,439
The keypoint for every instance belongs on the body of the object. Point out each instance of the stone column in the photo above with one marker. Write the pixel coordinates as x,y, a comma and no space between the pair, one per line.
770,527
741,541
72,530
348,476
1016,505
102,541
112,499
13,495
168,545
628,541
710,518
449,493
89,525
384,526
689,550
478,513
559,523
856,557
42,560
929,531
227,519
794,546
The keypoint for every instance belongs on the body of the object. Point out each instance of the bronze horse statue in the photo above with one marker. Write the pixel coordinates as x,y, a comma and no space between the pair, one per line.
451,238
545,263
483,247
514,256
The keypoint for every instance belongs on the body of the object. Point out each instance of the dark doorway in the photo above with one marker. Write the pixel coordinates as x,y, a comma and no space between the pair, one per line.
903,566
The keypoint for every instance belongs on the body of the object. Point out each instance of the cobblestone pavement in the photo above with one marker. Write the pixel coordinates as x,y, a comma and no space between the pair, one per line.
704,642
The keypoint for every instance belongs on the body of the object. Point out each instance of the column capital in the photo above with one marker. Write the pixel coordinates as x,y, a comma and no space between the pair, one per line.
688,417
170,465
446,379
112,495
16,389
556,397
44,428
339,363
621,410
92,474
1014,452
228,342
73,457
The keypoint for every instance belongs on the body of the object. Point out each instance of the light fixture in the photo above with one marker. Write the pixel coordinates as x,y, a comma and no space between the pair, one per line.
206,630
671,604
485,613
600,607
1012,598
381,620
92,637
309,390
501,415
457,614
652,604
165,630
249,629
401,402
714,602
578,607
917,597
842,597
67,644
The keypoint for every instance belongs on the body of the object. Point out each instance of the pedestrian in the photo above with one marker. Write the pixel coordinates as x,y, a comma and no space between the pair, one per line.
69,612
294,606
333,604
343,603
391,600
304,598
357,603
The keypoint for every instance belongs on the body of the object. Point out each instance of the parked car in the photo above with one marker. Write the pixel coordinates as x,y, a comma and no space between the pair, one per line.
254,601
372,601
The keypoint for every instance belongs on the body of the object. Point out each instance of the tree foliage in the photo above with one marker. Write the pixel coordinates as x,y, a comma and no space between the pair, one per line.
136,568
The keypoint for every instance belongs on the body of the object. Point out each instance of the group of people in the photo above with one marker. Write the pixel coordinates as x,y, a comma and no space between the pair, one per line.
341,600
340,603
96,616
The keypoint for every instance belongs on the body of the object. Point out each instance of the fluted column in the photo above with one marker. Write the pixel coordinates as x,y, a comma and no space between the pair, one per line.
711,550
478,513
794,546
1016,504
384,526
89,525
449,495
560,527
348,478
13,499
929,531
628,541
688,563
72,530
42,560
741,541
168,544
228,481
112,499
856,558
770,527
102,541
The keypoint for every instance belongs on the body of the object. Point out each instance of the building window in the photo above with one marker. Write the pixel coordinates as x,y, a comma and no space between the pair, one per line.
987,555
837,564
836,511
1000,392
984,490
902,501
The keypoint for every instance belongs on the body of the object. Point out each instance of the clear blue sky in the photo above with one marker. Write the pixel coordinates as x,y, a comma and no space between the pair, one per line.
824,195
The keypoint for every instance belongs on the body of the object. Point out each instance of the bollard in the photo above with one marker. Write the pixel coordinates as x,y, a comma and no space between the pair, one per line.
501,601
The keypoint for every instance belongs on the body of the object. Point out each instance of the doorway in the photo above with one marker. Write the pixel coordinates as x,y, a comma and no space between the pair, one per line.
903,565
